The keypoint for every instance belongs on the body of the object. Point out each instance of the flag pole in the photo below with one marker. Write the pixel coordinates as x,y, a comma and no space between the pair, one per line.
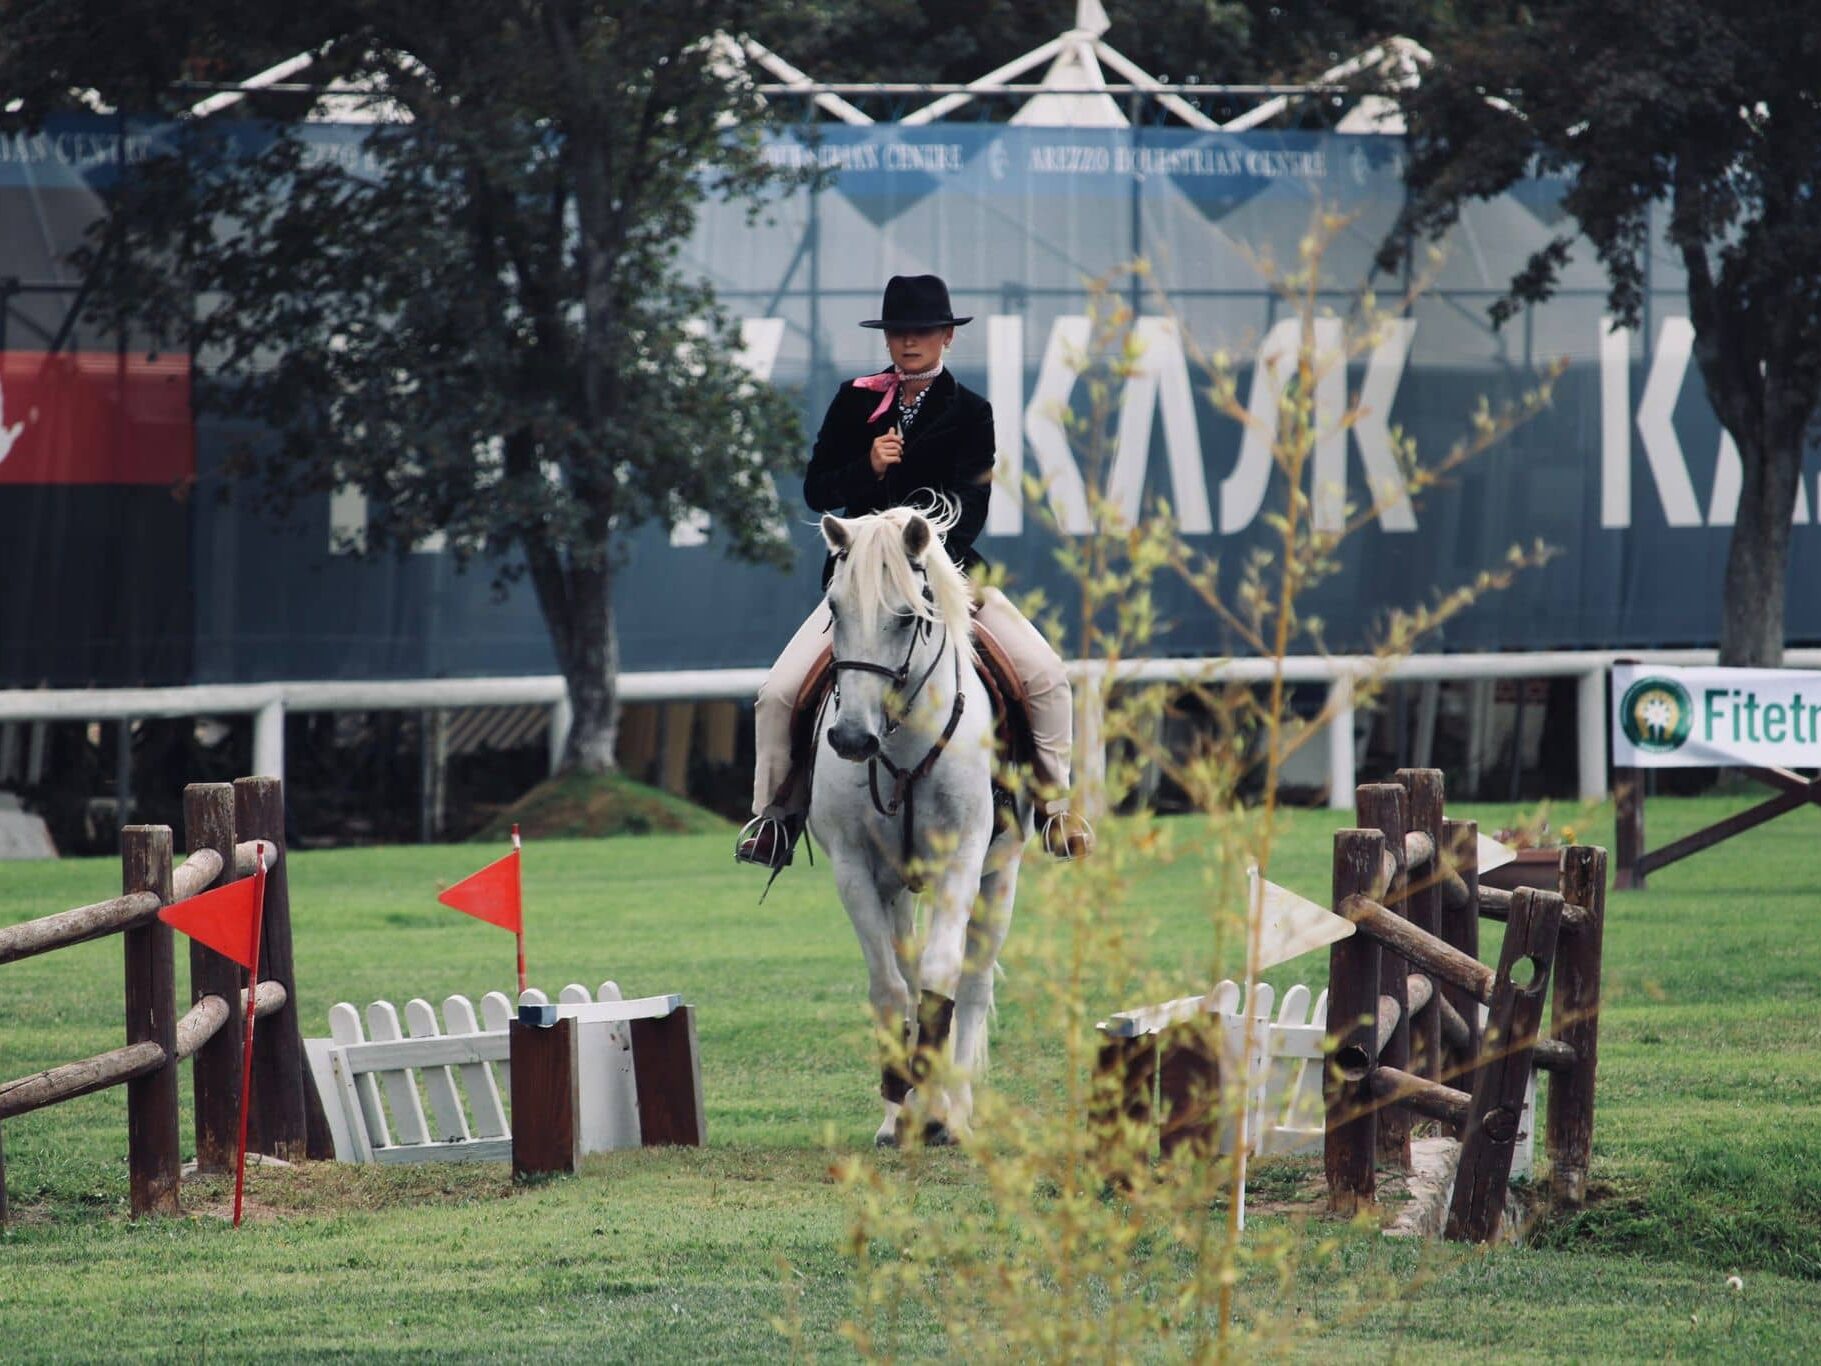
251,1011
520,892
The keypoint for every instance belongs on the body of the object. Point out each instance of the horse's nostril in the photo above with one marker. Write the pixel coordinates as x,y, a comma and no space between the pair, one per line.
852,742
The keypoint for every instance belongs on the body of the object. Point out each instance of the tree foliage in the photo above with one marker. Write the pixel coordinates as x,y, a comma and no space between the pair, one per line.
1698,119
475,315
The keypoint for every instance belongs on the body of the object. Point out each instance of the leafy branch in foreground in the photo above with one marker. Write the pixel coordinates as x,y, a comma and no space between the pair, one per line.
1108,1226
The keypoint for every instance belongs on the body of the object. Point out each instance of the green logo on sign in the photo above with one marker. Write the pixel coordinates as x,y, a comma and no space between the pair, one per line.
1656,714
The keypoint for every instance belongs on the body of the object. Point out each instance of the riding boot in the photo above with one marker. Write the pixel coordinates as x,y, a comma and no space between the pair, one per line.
769,841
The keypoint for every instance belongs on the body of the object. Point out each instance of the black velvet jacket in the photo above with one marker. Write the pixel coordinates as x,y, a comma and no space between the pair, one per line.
949,449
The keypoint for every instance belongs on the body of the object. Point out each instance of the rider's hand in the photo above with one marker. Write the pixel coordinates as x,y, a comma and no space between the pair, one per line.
887,451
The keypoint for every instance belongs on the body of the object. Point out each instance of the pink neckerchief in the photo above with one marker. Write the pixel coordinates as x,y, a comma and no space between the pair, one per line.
886,382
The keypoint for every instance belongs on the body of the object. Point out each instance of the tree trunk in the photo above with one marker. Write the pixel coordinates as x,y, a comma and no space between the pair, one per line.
592,676
1757,559
577,603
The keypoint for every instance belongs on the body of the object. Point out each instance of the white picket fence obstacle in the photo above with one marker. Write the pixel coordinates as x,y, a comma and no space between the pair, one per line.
1284,1109
430,1093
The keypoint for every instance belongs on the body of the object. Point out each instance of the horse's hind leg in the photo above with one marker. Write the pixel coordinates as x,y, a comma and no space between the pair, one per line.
940,970
986,933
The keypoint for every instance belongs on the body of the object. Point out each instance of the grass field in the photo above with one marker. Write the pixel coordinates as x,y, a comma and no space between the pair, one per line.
1707,1146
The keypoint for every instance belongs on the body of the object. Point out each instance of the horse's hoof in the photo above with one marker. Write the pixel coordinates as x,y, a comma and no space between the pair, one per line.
885,1140
937,1135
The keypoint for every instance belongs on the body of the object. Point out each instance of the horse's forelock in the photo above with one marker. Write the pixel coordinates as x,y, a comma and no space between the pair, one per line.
876,563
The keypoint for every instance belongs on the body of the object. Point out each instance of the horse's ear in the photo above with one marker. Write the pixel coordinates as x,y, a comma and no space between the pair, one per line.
917,536
834,532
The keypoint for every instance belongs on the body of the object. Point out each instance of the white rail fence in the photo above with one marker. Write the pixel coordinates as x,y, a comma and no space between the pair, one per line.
268,703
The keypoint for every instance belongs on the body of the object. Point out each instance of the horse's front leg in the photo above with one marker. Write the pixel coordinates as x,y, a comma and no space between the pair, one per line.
874,919
895,1084
939,974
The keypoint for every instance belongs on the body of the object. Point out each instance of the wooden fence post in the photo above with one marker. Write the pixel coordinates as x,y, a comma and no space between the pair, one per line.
1628,831
1461,926
1423,791
1382,806
1489,1137
544,1106
1349,1145
287,1111
153,1158
1575,1021
208,823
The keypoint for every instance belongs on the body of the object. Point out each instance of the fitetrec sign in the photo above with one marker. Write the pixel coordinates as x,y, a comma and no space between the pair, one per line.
1708,718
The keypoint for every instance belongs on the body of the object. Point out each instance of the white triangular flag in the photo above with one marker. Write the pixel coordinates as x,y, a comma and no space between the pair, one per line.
1494,855
1290,924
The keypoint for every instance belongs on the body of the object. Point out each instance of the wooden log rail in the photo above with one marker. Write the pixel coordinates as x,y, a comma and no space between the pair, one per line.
200,1024
284,1119
1409,881
117,914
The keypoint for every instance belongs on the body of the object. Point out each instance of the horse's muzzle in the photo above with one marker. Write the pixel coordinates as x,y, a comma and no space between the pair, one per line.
853,743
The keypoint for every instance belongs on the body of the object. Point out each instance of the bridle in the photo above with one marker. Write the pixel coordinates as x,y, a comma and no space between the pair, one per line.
904,780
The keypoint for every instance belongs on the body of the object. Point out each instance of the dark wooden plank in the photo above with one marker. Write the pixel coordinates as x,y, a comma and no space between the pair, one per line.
153,1159
1422,1095
1736,824
1423,797
1489,1137
1575,1022
667,1071
1552,1055
291,1122
1119,1113
1350,1144
1785,781
1188,1087
208,823
1460,929
1399,936
1384,807
1628,831
545,1125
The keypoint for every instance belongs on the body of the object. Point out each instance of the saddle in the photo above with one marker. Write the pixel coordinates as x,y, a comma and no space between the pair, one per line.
1011,710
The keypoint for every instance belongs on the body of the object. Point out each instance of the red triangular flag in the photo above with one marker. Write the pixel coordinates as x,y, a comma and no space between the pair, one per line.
226,919
491,894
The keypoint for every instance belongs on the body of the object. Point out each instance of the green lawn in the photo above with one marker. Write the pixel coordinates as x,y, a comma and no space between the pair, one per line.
1707,1145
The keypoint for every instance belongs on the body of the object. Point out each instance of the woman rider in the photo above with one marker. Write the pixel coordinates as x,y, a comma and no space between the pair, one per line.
888,439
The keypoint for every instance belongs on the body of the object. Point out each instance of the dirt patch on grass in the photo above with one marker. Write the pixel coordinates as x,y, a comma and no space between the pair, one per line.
588,806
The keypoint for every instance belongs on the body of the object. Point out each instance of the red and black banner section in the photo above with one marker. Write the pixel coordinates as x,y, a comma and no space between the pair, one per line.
97,457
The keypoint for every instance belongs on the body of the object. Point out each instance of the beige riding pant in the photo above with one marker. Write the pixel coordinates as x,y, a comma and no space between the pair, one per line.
1045,684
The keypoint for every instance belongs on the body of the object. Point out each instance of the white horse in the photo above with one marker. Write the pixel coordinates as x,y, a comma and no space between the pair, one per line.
902,801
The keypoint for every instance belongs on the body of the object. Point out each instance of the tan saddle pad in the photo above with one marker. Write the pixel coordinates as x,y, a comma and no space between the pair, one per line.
1011,712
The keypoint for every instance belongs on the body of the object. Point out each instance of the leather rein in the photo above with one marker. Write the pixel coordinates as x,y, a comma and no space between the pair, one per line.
905,780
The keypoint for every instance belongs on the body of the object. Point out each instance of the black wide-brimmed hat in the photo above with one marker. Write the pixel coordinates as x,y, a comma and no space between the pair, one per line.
916,301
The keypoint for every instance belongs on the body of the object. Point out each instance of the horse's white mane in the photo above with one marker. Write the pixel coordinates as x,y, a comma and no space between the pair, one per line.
875,560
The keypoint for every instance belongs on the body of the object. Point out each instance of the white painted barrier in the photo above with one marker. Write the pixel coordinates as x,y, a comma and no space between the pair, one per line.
374,1084
1284,1112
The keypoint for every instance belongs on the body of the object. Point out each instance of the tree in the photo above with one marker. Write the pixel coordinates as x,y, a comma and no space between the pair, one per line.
1711,109
479,320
